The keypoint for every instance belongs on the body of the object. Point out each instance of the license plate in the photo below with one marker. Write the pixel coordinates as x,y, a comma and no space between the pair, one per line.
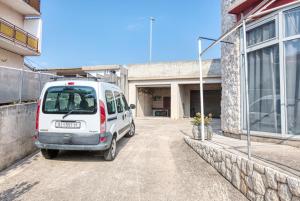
66,124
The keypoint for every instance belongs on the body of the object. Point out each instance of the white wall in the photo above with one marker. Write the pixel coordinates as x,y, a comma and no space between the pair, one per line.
132,96
34,27
144,104
163,92
9,59
174,70
175,101
11,15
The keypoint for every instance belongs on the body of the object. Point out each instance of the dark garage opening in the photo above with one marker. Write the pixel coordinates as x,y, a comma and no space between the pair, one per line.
212,102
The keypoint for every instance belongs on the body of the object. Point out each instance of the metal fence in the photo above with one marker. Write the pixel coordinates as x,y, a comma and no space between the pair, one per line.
17,85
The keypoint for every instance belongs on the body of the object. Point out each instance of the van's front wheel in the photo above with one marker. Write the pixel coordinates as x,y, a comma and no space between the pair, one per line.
110,154
131,132
49,153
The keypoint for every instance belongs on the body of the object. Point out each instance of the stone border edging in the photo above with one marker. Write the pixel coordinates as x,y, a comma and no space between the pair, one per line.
257,182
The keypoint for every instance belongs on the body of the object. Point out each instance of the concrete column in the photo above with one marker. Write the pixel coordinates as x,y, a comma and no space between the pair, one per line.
132,97
185,99
181,101
175,96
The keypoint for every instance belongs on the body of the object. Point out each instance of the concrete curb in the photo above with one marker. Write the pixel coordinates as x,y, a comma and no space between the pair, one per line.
257,182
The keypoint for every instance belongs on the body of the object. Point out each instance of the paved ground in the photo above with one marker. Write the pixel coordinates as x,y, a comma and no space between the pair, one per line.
155,165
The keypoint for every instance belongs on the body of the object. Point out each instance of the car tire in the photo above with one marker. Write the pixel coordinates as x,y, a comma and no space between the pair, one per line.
110,154
49,153
131,132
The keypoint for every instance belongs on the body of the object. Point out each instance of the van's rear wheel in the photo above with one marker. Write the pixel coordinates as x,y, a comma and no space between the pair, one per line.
131,132
110,154
49,153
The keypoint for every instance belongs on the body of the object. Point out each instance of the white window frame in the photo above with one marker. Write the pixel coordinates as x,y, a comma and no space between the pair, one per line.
280,39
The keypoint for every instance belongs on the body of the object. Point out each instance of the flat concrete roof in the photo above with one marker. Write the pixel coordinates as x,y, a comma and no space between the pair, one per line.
174,70
101,67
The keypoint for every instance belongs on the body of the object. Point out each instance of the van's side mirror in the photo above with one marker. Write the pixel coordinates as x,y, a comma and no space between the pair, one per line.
132,106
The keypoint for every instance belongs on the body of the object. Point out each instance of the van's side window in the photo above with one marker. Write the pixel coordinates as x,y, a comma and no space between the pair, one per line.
119,102
110,102
126,106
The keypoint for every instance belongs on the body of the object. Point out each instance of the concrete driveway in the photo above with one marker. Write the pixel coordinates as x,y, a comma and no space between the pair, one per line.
155,165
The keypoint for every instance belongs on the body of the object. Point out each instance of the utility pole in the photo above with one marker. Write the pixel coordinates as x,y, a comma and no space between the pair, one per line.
152,19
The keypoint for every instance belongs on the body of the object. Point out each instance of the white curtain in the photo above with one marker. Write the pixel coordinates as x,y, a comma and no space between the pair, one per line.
264,89
261,33
292,66
292,60
292,22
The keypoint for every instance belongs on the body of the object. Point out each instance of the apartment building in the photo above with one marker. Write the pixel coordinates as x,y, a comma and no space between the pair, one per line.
20,31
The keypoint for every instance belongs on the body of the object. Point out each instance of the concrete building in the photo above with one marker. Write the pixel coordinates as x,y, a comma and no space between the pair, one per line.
273,49
117,74
168,89
172,88
20,31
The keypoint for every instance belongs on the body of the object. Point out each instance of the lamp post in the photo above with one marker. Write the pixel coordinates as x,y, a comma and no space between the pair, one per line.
152,19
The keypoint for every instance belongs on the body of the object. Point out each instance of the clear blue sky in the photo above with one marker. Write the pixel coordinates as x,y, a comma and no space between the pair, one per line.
91,32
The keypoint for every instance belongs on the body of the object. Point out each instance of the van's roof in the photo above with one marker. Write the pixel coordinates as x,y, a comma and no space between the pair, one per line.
73,82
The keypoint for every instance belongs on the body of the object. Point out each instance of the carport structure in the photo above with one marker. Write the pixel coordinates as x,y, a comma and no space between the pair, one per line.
171,89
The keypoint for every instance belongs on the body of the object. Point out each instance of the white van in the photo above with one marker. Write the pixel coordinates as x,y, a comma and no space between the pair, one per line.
82,114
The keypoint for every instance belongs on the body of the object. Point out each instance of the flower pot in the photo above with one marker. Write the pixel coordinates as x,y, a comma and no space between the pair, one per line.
208,133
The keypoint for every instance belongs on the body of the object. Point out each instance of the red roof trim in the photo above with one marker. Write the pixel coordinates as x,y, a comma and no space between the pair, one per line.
246,5
243,6
279,3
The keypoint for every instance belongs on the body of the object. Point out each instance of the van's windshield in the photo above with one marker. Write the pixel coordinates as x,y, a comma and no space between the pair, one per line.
66,99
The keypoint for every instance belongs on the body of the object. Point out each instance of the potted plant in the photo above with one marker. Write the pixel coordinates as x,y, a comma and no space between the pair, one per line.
196,122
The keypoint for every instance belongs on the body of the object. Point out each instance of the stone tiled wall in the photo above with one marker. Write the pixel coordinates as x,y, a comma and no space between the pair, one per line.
230,104
257,182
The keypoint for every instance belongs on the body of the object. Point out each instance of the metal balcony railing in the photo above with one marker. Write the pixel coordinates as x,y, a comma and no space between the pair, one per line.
18,35
36,4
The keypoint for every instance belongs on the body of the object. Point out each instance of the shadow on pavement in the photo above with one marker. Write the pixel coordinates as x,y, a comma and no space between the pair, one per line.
89,156
18,190
19,164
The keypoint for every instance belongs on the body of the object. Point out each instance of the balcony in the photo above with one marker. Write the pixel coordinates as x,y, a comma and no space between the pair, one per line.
25,7
17,40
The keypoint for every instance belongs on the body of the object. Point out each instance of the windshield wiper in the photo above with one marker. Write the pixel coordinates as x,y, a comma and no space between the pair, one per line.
71,111
68,113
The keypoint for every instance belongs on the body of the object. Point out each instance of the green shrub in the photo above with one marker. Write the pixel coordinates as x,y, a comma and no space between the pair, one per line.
197,119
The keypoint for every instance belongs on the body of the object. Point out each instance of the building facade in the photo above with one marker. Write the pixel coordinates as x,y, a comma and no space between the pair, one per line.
117,74
273,58
20,31
171,89
166,89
